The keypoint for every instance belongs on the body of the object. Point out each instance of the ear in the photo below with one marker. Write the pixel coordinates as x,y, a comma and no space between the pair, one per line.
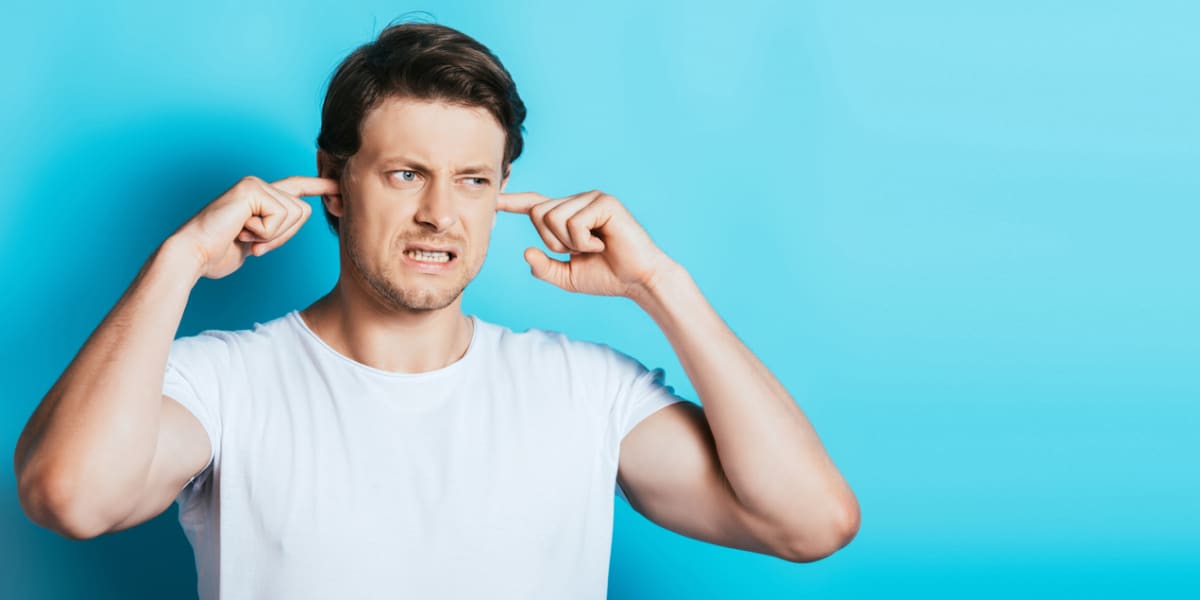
325,168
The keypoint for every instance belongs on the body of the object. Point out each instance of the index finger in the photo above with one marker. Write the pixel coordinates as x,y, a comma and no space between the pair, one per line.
306,186
519,202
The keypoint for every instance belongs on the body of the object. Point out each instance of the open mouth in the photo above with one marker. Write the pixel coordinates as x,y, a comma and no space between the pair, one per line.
431,257
434,256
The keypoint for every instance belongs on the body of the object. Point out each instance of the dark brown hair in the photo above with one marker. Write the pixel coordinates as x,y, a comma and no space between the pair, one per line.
424,61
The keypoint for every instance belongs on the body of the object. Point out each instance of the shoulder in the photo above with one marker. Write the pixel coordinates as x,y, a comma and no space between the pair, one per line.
544,346
227,342
543,342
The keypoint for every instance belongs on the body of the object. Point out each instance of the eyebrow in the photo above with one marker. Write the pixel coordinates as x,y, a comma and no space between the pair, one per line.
471,169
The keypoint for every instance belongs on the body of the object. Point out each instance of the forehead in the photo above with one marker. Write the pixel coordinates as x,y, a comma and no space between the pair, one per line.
439,133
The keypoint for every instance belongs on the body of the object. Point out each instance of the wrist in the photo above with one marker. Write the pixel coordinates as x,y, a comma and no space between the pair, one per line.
656,289
178,255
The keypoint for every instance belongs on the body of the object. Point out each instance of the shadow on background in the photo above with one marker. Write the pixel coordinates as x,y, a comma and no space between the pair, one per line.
152,560
137,181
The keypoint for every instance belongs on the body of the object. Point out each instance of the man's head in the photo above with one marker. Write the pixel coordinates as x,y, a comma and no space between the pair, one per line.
420,127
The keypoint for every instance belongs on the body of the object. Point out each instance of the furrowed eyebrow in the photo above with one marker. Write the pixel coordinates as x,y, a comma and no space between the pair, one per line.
467,170
477,170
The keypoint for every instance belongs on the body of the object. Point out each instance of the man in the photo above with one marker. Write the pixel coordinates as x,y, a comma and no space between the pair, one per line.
380,442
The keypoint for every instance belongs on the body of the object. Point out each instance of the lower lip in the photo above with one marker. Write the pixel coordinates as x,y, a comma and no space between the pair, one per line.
429,267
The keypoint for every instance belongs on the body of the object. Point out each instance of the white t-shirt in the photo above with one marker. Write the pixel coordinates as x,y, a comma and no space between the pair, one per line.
493,477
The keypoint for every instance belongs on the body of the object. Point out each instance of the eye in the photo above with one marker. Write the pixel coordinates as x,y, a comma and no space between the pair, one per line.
477,181
408,176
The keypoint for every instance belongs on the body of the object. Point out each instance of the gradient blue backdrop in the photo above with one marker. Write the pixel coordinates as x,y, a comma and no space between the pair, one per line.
963,235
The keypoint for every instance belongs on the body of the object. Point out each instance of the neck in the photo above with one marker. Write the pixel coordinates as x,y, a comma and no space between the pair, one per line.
398,341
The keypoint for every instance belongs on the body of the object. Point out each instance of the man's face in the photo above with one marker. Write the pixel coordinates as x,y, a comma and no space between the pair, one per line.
419,200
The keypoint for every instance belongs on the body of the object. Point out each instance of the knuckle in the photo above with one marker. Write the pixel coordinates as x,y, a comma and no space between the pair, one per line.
247,186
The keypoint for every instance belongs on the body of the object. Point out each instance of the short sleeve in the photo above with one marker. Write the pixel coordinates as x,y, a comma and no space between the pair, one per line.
645,393
195,369
640,393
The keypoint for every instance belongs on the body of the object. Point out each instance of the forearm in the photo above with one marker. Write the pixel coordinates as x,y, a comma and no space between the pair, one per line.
769,451
93,436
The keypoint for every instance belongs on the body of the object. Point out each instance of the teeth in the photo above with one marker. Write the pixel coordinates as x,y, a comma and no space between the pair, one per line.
429,256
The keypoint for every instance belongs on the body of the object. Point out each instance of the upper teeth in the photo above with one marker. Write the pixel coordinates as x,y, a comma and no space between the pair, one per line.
429,256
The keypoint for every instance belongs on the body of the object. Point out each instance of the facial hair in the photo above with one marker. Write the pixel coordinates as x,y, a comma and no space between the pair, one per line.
435,295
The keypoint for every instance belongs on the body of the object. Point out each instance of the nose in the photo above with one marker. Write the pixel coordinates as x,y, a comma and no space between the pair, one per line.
436,209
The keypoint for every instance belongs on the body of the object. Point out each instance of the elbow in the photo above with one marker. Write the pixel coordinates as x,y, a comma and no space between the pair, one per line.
823,539
55,503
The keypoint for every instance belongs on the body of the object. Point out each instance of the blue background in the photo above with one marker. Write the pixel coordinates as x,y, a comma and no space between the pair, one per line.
964,235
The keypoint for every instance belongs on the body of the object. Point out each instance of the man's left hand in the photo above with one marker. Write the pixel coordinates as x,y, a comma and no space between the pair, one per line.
610,253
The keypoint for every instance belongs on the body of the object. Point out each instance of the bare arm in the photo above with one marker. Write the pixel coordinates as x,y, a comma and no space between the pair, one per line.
105,449
93,437
750,458
747,470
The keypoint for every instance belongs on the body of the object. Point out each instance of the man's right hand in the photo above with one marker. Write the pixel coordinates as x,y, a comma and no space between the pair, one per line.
252,217
106,449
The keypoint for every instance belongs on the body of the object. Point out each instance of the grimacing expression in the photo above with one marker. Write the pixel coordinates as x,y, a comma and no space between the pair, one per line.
419,200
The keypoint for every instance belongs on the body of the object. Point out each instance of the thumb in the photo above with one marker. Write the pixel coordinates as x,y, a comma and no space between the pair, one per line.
548,269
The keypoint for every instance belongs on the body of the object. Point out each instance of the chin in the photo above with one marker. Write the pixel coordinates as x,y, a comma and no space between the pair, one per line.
421,297
428,300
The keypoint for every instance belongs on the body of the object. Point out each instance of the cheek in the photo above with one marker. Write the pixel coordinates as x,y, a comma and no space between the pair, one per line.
481,230
375,240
